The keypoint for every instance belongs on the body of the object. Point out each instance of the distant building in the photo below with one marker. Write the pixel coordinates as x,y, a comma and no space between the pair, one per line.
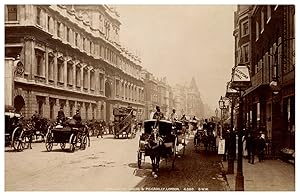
70,57
187,100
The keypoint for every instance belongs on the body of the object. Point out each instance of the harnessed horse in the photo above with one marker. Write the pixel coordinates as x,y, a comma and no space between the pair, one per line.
159,146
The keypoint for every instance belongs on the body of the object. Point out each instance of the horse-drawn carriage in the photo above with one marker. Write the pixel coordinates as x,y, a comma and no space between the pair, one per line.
207,136
124,122
16,135
157,141
70,133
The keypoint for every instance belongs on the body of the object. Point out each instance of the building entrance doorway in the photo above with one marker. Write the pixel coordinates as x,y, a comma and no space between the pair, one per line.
19,103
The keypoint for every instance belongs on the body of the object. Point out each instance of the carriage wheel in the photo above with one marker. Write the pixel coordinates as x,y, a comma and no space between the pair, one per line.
72,142
83,142
48,142
16,139
63,146
139,159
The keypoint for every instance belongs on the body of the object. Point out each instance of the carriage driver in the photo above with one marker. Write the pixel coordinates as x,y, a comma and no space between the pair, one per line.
77,117
158,114
173,116
61,115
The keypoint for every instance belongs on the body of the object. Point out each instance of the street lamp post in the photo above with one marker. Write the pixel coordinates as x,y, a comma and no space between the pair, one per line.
231,94
222,107
240,82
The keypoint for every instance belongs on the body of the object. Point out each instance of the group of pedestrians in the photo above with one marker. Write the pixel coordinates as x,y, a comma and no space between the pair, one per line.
255,146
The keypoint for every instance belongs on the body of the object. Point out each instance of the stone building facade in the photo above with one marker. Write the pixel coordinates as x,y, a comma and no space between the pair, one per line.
270,101
70,57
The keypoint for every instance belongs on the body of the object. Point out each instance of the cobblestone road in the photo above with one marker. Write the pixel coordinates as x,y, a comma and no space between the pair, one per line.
109,164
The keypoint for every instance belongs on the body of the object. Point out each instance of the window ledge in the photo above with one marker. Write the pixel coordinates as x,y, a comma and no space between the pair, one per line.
12,22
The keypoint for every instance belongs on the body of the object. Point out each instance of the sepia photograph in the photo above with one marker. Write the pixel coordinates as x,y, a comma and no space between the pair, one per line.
149,97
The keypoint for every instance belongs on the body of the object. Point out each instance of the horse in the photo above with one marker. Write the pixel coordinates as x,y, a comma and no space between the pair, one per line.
154,149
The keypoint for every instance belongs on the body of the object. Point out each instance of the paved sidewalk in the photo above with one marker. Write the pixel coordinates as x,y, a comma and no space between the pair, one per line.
269,175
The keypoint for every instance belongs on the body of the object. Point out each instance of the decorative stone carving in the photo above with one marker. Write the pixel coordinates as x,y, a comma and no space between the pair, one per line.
19,71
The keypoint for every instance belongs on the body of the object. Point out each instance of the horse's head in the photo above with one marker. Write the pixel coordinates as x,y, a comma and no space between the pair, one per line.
154,138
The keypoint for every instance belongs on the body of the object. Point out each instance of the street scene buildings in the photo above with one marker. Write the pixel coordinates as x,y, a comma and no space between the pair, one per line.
72,85
265,41
70,57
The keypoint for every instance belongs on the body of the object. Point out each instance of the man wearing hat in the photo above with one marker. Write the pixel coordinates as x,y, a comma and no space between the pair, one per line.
173,116
158,115
61,115
77,117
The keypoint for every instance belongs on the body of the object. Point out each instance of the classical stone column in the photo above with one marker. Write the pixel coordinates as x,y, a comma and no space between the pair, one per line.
74,81
89,80
81,78
46,64
47,107
29,54
55,70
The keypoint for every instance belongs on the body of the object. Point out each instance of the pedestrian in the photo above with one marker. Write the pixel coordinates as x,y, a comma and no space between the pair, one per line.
227,138
261,147
250,147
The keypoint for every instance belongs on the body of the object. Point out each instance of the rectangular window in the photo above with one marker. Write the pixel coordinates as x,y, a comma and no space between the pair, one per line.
12,12
257,30
68,34
91,47
85,78
76,39
39,62
245,28
60,71
262,22
246,53
92,80
52,110
41,108
84,43
48,24
50,67
38,15
269,13
101,88
70,74
78,76
258,111
71,109
58,29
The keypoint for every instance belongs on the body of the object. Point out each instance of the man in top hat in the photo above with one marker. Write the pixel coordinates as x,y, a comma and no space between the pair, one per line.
77,117
61,115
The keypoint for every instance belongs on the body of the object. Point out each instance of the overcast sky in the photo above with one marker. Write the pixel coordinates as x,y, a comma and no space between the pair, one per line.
183,41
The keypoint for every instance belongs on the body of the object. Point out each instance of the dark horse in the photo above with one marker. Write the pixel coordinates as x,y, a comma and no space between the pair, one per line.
154,148
160,146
